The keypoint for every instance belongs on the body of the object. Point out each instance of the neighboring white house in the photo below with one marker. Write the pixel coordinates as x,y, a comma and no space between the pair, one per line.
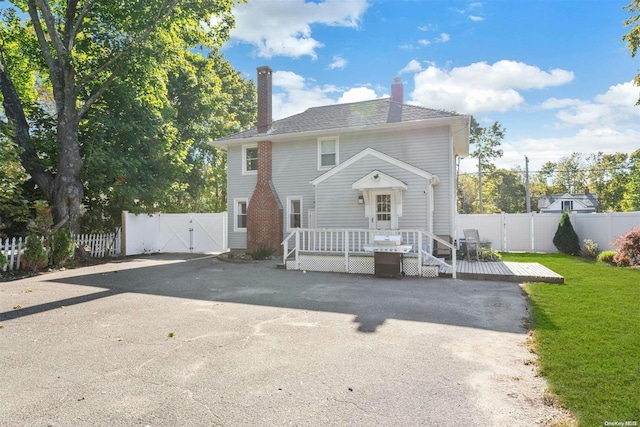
558,203
378,164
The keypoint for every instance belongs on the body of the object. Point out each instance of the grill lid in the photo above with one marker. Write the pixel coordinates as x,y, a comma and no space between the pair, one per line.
387,240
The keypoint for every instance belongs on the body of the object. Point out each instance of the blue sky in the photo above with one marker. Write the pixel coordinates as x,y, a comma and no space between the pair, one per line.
554,73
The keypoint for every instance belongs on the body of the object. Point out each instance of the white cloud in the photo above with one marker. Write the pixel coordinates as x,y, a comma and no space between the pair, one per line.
412,67
475,18
481,87
424,42
429,27
444,37
284,27
357,94
292,94
338,62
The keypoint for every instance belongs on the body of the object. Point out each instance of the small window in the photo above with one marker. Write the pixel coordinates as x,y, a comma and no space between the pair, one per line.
240,215
327,153
567,205
294,212
249,159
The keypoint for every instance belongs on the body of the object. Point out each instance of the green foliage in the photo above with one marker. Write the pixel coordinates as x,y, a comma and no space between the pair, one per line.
633,36
62,247
590,249
35,255
3,260
566,239
628,253
490,255
631,200
262,252
607,257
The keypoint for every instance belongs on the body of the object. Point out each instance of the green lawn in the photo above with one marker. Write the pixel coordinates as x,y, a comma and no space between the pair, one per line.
588,335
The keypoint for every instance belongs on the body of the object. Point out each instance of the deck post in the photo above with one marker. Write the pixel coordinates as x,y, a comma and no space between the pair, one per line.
297,250
420,253
345,240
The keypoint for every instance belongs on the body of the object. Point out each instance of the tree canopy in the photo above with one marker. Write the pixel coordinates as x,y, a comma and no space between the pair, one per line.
109,104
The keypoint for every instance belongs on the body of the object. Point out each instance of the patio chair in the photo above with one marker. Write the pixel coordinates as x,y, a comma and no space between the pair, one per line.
472,244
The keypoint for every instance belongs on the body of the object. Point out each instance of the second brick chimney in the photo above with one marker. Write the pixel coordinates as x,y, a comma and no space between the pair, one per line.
264,213
397,91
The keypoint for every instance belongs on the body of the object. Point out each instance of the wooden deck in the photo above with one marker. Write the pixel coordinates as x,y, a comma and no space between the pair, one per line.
504,271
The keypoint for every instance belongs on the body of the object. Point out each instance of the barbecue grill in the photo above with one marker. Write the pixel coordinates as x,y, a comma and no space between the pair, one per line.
388,252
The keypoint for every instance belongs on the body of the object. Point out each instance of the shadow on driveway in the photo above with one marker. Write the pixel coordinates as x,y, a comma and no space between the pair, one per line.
498,306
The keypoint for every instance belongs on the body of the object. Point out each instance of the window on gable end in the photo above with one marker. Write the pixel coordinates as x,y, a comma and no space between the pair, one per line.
567,205
328,152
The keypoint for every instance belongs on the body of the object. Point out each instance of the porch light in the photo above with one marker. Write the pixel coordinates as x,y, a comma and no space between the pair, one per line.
361,199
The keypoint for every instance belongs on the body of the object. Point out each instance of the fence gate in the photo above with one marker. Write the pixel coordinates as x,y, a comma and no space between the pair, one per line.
175,233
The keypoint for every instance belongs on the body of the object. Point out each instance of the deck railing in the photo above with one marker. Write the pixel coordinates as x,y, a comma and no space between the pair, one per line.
352,241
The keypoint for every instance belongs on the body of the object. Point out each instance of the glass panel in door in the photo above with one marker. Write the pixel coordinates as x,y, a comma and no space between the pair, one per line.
383,211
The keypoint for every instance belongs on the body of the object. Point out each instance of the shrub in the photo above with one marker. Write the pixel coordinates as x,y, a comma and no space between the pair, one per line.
566,239
490,255
629,248
590,249
35,255
262,252
62,247
3,260
606,256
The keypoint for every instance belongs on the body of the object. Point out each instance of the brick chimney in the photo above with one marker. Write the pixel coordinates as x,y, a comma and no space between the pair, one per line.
586,190
264,99
264,213
547,192
397,91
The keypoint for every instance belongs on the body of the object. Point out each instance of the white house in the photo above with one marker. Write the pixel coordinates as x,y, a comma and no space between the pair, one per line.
378,164
558,203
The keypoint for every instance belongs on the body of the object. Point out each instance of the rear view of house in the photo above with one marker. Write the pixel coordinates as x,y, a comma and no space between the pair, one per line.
371,165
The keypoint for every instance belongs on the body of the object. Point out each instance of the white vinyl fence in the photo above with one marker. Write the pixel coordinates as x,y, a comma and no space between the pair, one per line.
174,233
95,245
534,232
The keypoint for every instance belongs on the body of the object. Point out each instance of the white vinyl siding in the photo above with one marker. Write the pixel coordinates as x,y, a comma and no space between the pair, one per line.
328,152
294,212
240,214
295,164
249,159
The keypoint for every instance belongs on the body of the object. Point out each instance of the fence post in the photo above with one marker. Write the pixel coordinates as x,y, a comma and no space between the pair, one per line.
503,230
297,250
420,253
532,230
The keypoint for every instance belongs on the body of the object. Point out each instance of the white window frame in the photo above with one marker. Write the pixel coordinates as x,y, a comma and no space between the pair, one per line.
567,202
337,152
289,212
244,160
236,211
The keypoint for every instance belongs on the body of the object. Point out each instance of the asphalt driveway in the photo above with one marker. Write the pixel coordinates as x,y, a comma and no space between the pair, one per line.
193,341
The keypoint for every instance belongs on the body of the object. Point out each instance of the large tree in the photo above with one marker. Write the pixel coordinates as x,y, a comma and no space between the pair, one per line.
486,143
78,50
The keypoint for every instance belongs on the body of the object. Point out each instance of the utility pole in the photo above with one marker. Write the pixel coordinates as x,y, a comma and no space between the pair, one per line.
480,183
526,184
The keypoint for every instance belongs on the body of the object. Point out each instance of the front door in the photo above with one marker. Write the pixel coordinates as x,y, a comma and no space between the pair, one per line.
382,214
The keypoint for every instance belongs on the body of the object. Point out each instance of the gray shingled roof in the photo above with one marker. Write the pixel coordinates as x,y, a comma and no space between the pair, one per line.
338,116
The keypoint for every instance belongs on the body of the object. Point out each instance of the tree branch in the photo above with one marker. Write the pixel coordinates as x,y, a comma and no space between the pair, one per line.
42,39
50,22
78,24
97,94
161,16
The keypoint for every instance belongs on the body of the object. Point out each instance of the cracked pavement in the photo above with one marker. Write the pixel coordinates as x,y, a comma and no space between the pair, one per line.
179,340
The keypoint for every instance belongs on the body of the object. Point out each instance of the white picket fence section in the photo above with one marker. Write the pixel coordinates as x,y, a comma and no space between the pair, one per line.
534,232
95,245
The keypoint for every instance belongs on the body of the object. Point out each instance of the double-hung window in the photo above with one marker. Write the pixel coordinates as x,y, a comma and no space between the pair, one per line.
240,214
328,152
294,212
249,159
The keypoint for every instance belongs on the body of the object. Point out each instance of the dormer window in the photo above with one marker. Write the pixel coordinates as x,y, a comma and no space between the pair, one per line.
567,205
328,153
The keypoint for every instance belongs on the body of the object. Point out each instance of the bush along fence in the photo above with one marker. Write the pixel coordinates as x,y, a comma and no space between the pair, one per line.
94,245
